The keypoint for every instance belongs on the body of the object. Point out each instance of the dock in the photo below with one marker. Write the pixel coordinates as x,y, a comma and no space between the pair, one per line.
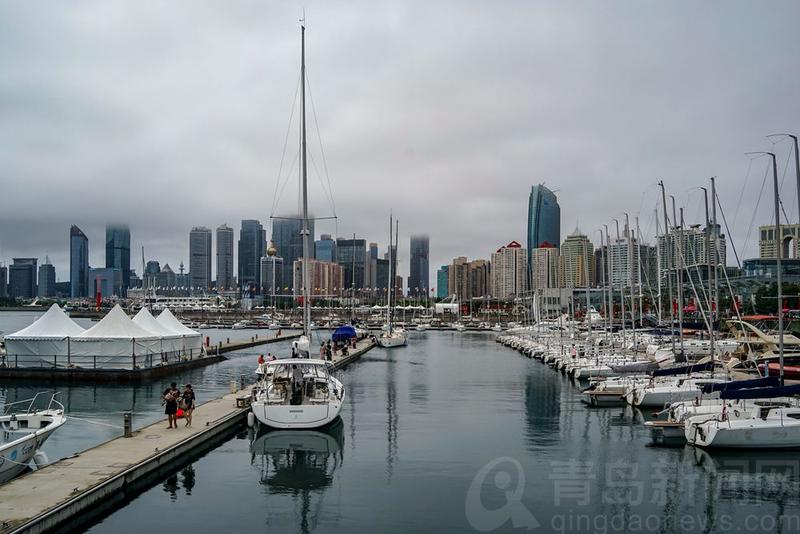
254,341
77,490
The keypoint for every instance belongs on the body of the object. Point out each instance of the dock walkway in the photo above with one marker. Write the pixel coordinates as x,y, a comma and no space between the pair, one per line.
76,490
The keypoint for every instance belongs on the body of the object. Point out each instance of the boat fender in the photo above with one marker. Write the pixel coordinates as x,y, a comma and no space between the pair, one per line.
40,459
251,419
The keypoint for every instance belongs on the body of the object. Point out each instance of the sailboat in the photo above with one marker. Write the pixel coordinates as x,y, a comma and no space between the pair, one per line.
771,423
392,336
298,392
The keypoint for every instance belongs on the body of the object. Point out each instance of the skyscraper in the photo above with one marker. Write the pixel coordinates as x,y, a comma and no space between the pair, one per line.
442,291
544,267
22,278
352,256
419,278
118,252
288,240
509,271
3,281
544,220
252,242
325,248
78,263
200,258
47,279
224,258
268,278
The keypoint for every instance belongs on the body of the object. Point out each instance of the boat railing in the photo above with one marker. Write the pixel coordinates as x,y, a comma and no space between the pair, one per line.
20,408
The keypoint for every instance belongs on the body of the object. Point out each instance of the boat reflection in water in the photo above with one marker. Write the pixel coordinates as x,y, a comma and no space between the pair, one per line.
300,463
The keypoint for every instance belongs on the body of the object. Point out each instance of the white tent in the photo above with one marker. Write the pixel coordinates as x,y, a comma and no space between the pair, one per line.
45,342
116,342
171,343
192,341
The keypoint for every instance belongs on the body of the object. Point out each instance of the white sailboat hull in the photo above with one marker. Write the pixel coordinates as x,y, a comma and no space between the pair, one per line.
297,417
395,339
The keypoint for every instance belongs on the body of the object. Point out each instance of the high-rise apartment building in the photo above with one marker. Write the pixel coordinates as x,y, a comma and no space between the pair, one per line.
577,261
419,277
545,268
252,242
200,259
687,247
224,258
47,279
22,278
509,266
468,279
78,263
118,252
325,278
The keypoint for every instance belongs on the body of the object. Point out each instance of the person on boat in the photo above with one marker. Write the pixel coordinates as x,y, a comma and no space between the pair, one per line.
260,359
188,404
328,352
297,379
271,357
171,395
573,352
322,351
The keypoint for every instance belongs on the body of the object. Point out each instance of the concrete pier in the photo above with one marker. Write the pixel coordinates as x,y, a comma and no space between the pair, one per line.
77,490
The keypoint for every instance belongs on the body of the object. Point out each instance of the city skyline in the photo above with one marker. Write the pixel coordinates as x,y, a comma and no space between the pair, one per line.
593,115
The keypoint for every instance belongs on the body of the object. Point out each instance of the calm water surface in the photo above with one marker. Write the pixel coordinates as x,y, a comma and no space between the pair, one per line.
453,433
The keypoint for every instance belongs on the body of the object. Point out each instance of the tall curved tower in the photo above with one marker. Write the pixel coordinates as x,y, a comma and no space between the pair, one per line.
544,219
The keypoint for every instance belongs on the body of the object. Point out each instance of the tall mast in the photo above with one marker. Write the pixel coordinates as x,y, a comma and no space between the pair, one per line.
778,253
715,308
390,285
710,288
306,251
681,265
669,243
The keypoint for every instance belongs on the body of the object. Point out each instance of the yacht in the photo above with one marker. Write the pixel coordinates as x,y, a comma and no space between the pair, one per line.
298,392
24,433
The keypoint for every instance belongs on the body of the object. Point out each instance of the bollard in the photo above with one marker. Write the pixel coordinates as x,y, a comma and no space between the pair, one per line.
127,424
233,386
229,341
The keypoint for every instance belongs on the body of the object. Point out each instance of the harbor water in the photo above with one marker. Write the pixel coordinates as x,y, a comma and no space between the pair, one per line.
454,433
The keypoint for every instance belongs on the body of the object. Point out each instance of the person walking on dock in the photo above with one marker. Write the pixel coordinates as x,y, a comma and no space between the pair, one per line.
188,403
171,395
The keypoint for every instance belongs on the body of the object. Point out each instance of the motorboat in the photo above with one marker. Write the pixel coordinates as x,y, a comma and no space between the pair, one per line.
25,428
296,393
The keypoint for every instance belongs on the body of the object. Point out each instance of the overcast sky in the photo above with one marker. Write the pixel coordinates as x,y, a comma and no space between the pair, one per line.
169,115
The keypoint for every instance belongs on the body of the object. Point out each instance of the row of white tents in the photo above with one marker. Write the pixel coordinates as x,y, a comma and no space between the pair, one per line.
115,342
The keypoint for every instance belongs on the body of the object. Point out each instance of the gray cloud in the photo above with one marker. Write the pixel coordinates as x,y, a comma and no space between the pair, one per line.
174,115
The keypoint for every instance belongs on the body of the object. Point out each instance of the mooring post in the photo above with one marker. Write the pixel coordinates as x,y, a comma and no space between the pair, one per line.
127,424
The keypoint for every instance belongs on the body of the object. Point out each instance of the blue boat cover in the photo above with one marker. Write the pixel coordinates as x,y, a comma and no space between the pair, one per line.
767,382
761,393
685,370
343,333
